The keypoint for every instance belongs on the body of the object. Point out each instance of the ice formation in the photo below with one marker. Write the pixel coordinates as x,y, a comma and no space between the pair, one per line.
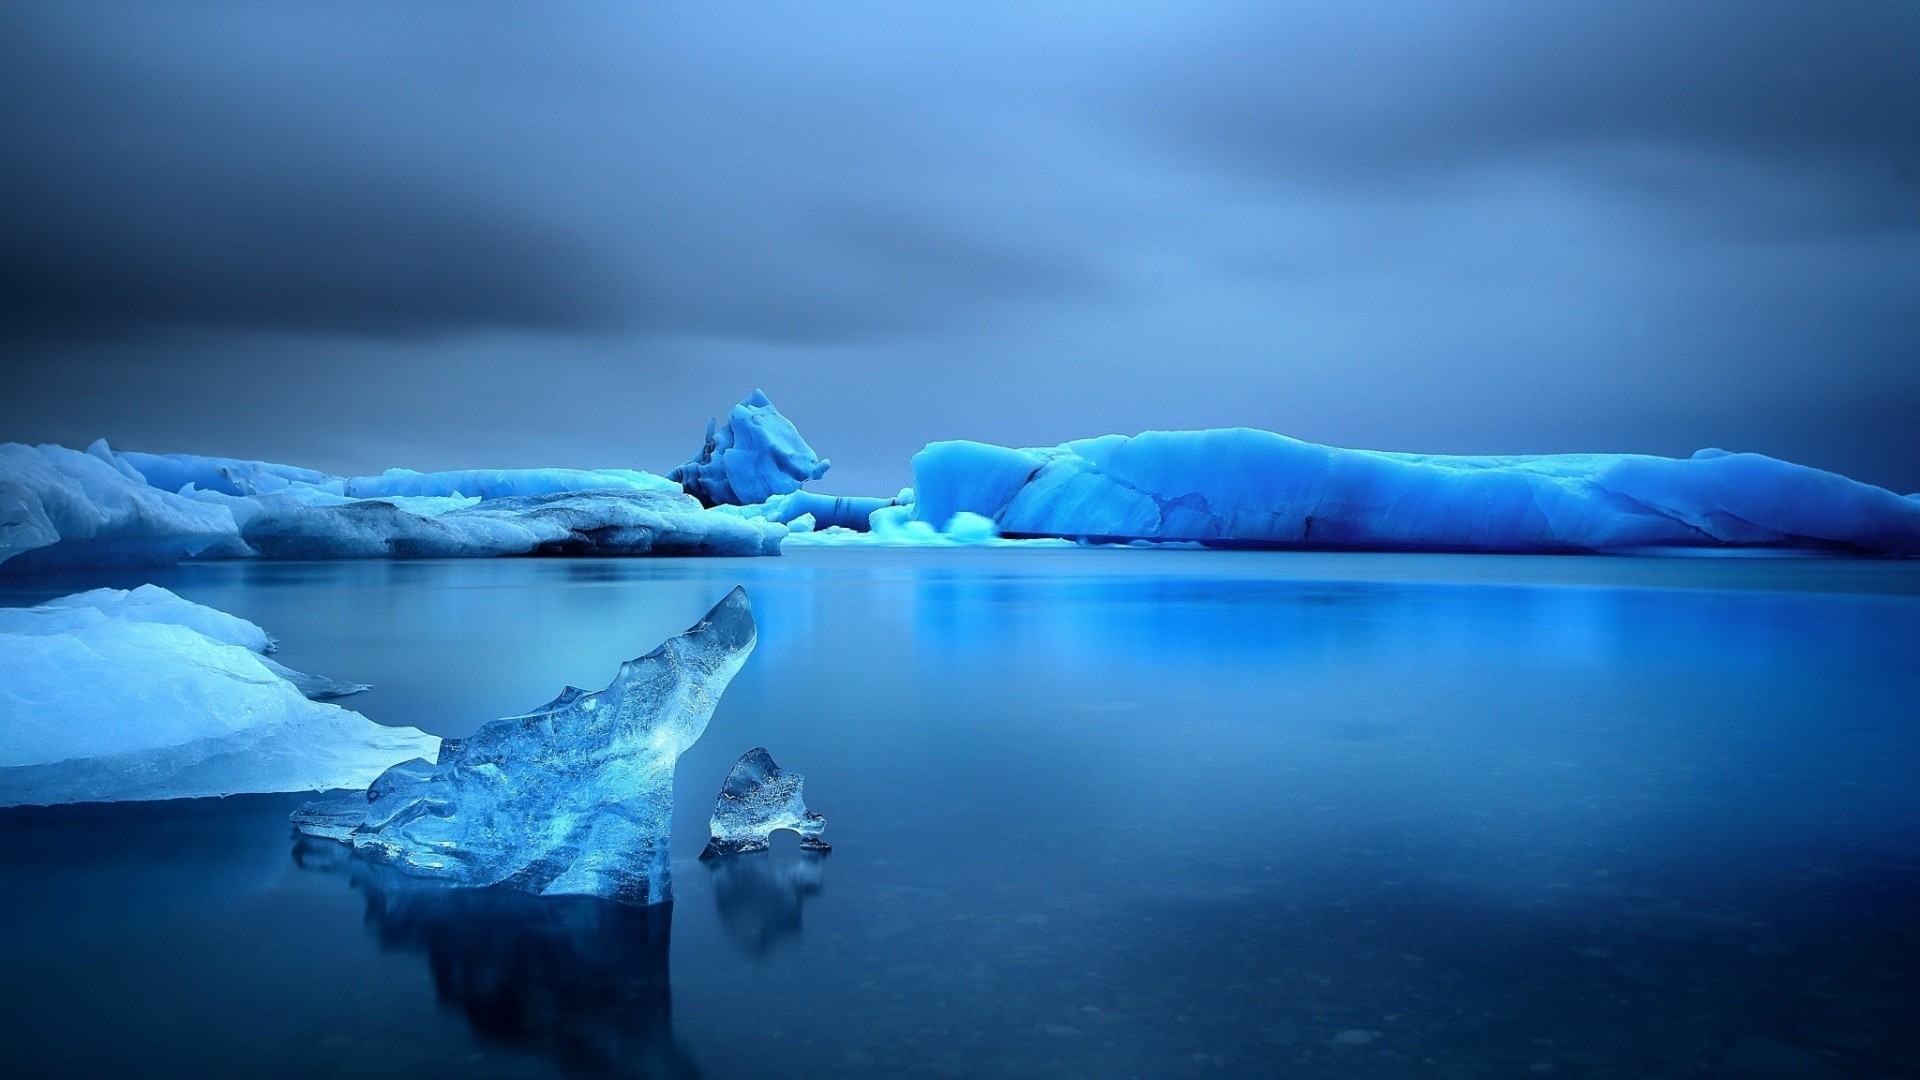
757,800
751,457
575,797
1255,488
824,511
61,507
111,695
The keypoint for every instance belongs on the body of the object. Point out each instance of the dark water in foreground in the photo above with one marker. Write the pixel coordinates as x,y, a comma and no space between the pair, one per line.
1096,814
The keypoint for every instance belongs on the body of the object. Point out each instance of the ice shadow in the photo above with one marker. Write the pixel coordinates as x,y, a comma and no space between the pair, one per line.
580,979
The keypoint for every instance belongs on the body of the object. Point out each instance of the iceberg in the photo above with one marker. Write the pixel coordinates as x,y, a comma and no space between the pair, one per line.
751,457
598,522
573,798
757,800
61,507
853,512
1243,487
112,695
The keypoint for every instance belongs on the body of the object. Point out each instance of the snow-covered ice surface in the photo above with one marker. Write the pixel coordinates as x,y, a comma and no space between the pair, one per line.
573,798
753,455
61,507
1256,488
757,800
113,695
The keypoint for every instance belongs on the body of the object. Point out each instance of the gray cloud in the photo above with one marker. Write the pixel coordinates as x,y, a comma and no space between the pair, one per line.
1501,226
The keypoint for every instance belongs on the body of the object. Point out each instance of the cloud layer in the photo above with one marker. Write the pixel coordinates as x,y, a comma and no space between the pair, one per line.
1500,226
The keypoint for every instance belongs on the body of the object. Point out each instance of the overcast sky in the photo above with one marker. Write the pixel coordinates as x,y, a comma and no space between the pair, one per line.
354,236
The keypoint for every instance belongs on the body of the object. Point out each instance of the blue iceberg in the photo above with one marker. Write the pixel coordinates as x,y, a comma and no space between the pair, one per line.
575,797
111,695
1239,486
61,507
753,455
757,800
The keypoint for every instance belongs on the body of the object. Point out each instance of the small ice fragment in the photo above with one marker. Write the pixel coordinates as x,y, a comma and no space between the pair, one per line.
759,799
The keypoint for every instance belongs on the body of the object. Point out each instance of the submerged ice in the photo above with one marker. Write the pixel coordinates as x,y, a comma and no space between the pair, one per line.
113,695
575,797
757,800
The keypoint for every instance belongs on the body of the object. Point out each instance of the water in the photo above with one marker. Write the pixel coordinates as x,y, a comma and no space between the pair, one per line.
1095,814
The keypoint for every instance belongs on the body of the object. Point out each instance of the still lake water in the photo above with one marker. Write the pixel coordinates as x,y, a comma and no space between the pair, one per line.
1096,813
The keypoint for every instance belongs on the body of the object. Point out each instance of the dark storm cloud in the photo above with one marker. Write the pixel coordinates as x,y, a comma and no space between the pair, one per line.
378,171
1441,226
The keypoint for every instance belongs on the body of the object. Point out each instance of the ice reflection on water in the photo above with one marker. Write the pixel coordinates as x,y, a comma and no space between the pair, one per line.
1095,813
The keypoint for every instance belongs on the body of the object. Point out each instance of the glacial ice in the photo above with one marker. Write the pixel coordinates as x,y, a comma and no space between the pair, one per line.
827,511
757,800
575,797
1255,488
61,507
111,695
751,457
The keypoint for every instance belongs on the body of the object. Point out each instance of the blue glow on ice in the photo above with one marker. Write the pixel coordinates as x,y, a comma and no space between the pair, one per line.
575,797
1256,488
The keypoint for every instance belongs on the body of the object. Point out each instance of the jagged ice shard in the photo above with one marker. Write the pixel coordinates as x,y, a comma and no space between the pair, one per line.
757,800
575,797
111,695
751,457
1240,486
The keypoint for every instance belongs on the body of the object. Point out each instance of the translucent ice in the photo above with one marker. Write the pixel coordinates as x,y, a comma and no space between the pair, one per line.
1256,488
111,695
575,797
751,457
757,800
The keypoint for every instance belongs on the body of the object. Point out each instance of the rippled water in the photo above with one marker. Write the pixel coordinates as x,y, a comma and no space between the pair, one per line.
1102,813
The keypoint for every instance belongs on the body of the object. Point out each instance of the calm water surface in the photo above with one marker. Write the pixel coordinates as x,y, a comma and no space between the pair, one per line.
1095,813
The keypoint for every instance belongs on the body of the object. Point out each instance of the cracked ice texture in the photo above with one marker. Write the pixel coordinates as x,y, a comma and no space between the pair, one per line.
575,797
1256,488
61,507
751,457
757,800
111,695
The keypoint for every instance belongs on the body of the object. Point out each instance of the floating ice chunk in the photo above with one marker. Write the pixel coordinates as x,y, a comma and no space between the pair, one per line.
1241,486
502,483
229,476
757,800
575,797
110,696
605,522
751,457
61,507
827,511
146,604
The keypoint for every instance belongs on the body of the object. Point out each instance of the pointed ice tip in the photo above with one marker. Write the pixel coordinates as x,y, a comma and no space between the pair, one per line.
757,399
731,619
